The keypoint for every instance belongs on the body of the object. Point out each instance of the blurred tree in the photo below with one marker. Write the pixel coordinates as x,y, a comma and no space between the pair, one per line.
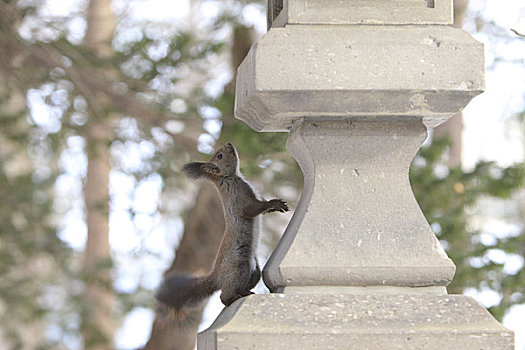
449,197
32,256
98,326
194,255
85,87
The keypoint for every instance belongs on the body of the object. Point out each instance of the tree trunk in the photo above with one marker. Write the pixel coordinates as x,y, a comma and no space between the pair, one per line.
454,126
99,299
202,236
195,255
98,326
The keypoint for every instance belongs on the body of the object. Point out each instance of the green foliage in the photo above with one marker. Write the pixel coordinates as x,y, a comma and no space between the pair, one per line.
32,256
136,85
448,198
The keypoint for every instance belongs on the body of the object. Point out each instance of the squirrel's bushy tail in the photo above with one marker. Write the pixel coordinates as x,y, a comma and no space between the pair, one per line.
180,290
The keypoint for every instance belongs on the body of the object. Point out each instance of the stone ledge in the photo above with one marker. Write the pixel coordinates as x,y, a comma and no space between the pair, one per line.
304,71
342,321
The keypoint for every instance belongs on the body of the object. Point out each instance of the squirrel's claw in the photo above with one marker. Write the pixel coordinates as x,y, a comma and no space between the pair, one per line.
278,205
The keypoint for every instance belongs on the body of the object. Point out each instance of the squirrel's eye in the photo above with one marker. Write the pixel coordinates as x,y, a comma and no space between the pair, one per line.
219,156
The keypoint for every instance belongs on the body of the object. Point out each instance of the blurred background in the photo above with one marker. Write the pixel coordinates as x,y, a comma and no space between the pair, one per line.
102,102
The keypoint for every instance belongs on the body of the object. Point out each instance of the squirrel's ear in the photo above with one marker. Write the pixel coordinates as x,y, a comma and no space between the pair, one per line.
192,170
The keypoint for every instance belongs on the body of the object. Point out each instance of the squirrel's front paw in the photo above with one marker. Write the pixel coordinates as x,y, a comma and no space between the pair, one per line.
208,168
192,170
278,205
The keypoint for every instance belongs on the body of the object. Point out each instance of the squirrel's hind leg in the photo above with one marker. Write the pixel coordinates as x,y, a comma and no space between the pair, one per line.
236,283
255,276
228,299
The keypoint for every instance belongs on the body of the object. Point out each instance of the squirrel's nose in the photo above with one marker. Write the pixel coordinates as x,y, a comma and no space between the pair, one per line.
228,144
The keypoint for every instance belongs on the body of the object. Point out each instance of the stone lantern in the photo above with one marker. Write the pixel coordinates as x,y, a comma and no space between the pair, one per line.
357,83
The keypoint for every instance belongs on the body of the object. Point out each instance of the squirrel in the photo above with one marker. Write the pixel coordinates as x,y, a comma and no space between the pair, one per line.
236,270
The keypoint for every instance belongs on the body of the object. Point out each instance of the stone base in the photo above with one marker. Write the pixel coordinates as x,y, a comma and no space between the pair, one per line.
355,321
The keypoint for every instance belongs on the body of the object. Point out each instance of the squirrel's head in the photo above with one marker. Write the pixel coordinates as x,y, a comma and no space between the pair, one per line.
226,159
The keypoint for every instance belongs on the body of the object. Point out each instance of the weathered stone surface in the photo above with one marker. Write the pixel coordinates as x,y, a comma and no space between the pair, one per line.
377,12
372,71
346,321
357,222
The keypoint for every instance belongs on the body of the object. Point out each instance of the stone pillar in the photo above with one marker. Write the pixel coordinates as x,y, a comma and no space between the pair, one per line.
357,84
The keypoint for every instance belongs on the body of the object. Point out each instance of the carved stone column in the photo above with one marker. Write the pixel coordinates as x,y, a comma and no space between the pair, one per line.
357,84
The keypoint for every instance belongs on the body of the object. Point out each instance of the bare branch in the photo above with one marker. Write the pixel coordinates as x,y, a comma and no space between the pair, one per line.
517,33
